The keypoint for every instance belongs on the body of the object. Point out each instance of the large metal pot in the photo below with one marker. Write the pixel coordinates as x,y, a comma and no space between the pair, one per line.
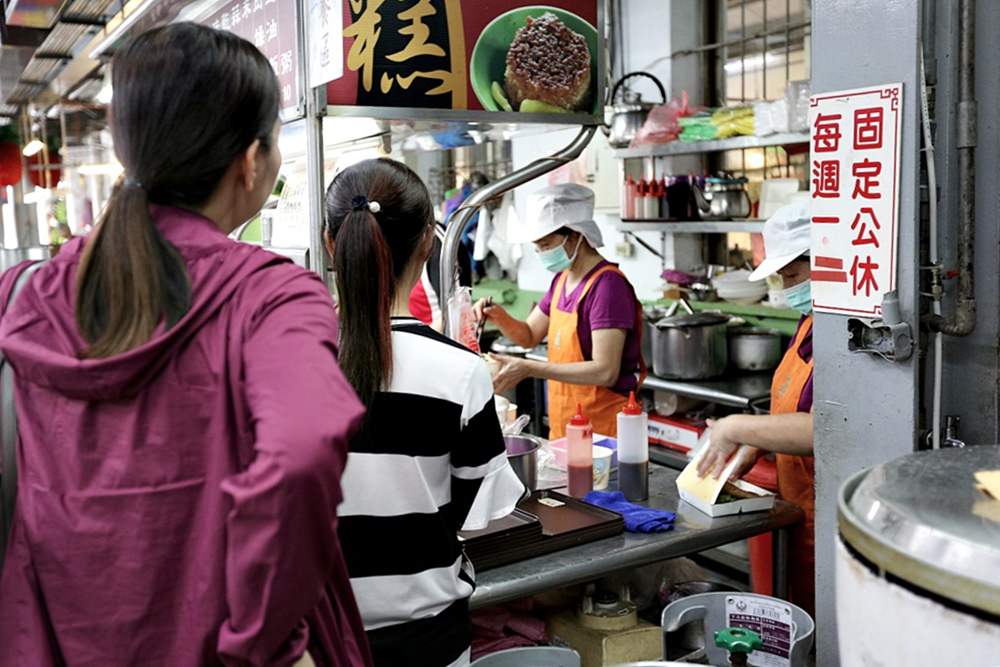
627,117
522,454
690,346
754,349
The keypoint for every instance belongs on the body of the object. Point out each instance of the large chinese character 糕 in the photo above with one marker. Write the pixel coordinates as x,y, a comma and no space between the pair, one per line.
865,234
826,179
366,31
418,32
868,128
866,175
826,138
863,276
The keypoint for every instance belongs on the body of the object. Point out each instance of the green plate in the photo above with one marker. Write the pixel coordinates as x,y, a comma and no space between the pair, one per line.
489,56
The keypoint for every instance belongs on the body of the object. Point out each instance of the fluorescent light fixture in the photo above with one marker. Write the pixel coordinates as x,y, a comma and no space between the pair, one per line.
753,63
33,148
105,94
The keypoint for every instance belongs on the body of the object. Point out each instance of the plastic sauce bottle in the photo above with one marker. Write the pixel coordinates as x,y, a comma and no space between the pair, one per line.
628,197
580,454
633,451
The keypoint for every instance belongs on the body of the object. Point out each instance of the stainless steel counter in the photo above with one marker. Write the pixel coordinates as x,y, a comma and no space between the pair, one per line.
693,532
737,391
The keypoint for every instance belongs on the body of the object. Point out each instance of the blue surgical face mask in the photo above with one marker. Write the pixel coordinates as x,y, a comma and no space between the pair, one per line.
556,259
799,297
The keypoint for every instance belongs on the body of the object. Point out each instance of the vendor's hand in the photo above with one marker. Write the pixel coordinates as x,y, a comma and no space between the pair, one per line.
485,309
747,458
511,372
721,447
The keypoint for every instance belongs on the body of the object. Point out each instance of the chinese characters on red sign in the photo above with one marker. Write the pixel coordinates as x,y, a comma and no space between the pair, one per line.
271,26
854,183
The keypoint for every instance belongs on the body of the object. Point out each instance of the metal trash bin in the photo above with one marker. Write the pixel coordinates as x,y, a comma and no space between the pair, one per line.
710,609
534,656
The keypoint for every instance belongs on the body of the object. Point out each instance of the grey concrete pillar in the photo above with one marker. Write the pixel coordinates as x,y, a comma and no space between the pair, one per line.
866,409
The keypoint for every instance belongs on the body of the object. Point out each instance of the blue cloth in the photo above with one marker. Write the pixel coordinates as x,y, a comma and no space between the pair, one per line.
638,519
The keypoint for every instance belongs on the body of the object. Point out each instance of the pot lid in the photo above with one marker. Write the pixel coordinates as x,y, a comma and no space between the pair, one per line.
921,518
691,320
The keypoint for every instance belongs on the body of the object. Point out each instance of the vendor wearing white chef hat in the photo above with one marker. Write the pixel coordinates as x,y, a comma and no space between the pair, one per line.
590,315
788,430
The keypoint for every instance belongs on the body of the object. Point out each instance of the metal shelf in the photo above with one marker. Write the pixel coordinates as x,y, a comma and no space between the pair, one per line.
731,144
690,227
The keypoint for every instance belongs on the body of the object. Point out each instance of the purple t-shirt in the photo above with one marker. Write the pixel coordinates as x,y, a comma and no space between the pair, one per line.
610,304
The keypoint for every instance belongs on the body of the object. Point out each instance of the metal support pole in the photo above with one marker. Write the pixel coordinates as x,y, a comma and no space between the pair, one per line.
461,217
315,109
779,563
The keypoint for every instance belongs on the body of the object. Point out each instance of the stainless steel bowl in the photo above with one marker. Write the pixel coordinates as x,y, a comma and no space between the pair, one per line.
522,454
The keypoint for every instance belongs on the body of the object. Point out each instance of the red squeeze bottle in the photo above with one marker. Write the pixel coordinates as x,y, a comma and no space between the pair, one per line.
580,454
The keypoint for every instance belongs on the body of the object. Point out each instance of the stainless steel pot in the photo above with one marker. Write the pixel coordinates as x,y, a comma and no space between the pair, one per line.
522,454
627,117
754,349
690,346
723,198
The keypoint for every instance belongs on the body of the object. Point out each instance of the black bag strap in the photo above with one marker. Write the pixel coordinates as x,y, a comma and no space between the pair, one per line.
8,428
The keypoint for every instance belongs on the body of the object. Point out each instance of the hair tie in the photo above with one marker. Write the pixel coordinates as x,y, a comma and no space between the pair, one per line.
132,183
361,203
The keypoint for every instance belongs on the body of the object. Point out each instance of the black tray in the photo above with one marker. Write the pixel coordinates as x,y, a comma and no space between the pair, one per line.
565,522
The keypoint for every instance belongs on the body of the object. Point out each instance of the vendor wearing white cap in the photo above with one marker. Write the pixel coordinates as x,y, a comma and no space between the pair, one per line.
788,430
590,315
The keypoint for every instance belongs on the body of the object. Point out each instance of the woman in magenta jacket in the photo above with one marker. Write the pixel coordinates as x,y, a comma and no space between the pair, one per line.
183,421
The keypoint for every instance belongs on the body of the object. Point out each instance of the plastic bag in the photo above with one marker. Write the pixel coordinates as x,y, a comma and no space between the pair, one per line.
770,117
698,128
462,324
663,122
797,97
733,121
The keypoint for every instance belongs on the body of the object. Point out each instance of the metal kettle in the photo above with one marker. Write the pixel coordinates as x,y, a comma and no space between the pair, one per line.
626,117
722,198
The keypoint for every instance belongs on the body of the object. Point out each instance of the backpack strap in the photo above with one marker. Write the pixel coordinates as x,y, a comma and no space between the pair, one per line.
8,427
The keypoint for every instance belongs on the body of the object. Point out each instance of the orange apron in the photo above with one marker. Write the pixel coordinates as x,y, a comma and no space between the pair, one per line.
600,404
796,476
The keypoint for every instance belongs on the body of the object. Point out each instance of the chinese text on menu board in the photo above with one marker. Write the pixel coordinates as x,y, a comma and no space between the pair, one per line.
270,25
854,177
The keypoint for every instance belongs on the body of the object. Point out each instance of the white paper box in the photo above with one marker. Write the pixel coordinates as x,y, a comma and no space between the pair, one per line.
763,502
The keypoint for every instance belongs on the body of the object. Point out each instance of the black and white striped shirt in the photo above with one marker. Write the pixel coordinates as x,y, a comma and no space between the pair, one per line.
429,461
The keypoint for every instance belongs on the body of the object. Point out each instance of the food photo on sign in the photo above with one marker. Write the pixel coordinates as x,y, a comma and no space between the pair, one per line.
494,56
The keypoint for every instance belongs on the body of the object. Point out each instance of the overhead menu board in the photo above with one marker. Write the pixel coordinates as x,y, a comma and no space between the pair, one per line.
506,60
271,26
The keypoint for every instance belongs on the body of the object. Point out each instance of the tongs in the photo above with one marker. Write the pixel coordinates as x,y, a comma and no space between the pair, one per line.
481,325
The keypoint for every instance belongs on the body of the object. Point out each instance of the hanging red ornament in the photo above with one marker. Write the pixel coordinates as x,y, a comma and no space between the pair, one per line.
37,175
10,163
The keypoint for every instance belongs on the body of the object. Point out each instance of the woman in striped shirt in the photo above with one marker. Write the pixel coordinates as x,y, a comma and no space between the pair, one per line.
430,459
